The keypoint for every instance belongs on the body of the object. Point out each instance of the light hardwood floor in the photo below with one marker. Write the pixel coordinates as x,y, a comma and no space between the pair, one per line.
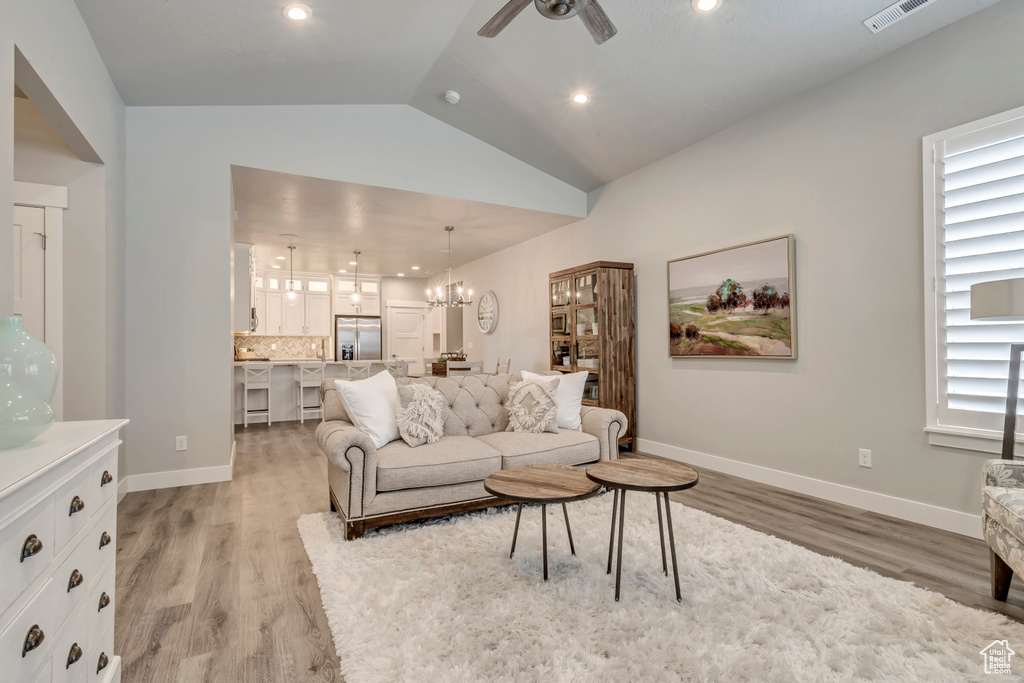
213,583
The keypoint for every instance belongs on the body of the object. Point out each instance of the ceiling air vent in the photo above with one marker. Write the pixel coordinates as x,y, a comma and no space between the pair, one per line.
890,15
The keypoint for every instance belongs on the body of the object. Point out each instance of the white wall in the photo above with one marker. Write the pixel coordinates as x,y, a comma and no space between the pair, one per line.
840,167
179,238
53,37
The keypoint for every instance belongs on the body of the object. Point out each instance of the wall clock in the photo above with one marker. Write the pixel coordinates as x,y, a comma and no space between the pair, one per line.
487,312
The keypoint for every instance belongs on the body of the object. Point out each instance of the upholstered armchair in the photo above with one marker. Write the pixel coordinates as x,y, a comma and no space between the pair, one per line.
1002,518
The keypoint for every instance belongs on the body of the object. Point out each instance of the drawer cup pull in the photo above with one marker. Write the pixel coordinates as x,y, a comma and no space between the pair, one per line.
74,654
31,547
76,580
102,663
104,601
77,505
105,479
104,539
33,640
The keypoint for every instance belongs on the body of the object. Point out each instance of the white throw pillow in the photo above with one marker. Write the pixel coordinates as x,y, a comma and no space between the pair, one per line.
370,404
569,397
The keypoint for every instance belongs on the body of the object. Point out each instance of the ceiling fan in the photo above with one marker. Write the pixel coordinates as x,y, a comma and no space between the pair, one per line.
589,11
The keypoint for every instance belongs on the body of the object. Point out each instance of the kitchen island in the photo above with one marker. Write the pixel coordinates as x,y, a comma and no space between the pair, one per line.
283,387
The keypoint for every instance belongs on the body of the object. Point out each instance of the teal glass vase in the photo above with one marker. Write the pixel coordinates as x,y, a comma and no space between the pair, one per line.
28,361
23,416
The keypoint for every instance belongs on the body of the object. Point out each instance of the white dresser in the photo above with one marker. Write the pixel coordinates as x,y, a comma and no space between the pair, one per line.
58,539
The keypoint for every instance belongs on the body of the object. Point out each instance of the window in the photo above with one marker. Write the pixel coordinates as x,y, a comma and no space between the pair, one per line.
974,232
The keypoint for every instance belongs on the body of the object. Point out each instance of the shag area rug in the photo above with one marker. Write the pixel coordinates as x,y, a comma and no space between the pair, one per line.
442,601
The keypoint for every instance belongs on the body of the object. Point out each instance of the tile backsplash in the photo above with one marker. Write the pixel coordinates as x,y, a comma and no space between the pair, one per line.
287,347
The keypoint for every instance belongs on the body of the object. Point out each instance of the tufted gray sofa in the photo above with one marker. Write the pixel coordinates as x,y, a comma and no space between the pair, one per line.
372,487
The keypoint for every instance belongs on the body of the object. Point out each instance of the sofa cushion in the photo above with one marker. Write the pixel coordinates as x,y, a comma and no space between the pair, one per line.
565,447
1005,506
452,460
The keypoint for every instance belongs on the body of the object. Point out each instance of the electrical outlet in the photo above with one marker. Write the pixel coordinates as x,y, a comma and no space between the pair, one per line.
469,345
181,443
865,457
273,347
313,346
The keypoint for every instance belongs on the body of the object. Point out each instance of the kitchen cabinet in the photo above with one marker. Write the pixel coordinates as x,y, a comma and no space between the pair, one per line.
260,304
369,296
273,316
293,315
318,315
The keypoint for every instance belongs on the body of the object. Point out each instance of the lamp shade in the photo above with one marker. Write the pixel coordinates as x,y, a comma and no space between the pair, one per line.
998,300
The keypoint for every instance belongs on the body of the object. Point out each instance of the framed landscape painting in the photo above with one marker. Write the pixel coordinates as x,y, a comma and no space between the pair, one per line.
737,302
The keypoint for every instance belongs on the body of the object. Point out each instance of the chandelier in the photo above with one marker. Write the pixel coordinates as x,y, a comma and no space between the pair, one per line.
448,293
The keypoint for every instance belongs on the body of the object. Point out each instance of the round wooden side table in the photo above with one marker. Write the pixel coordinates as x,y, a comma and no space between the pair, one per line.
659,477
544,484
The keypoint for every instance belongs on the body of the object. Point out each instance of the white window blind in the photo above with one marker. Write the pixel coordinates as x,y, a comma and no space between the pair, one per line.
977,235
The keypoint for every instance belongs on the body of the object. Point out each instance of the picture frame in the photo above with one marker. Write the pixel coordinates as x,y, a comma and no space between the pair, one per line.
736,302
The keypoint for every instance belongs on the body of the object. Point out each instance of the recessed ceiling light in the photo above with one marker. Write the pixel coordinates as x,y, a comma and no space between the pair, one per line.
275,266
352,263
415,267
297,11
280,258
705,6
401,275
342,271
580,97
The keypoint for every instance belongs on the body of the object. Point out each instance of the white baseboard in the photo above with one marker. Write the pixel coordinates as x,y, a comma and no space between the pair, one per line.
166,480
122,488
901,508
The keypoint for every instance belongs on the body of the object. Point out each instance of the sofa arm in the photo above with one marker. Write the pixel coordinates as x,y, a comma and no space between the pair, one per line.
351,449
1005,473
607,425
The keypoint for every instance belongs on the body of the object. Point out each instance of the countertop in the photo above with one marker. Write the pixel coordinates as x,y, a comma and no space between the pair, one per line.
295,361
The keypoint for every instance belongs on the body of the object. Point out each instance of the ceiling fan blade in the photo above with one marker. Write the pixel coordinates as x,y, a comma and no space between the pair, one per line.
502,19
597,22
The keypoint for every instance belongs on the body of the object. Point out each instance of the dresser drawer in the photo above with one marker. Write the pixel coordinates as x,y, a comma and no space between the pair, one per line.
103,537
80,568
71,654
44,675
102,608
103,479
37,614
103,649
74,504
16,572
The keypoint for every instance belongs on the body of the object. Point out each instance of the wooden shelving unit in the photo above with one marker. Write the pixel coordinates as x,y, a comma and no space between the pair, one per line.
592,328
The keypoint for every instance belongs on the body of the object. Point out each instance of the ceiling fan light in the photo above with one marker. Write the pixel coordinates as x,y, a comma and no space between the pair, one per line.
580,97
705,6
297,11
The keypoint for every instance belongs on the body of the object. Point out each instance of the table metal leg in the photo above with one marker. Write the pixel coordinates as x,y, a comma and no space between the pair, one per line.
672,543
661,533
544,536
618,567
565,513
515,532
611,536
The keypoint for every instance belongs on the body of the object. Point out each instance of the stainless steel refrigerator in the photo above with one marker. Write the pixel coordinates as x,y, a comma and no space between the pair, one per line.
357,337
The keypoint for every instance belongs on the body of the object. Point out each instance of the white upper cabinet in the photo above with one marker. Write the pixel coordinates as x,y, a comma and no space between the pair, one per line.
273,317
318,315
369,296
293,314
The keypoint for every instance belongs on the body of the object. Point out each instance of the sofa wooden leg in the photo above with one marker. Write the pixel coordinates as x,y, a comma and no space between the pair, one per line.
354,530
1001,576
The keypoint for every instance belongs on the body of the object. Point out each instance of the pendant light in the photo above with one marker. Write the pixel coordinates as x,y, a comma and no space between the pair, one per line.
448,293
355,292
291,273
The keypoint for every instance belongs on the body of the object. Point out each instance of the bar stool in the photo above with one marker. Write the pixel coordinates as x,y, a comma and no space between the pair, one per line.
308,376
504,366
256,378
359,369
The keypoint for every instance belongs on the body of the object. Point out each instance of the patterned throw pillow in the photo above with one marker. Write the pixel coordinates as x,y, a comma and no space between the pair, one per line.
532,407
420,414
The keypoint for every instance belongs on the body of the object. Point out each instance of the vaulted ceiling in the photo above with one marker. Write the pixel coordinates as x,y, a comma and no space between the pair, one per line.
671,77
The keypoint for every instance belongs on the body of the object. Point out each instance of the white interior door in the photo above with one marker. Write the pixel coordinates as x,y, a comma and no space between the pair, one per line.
30,269
407,335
